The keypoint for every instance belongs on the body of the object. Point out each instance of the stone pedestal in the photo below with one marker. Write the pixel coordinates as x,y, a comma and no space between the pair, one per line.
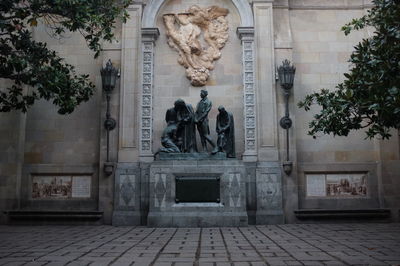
191,156
127,195
269,193
165,212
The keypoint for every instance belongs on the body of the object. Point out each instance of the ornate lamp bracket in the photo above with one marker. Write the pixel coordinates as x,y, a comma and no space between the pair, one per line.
109,75
286,77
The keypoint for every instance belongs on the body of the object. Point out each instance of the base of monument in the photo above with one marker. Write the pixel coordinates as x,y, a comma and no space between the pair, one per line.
270,217
126,218
197,219
226,176
192,156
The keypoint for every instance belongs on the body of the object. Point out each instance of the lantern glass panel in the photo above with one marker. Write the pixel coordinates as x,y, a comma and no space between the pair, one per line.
108,79
292,77
112,79
288,77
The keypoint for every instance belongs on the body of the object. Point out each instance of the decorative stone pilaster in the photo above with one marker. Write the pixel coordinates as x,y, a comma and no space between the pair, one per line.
149,36
127,192
246,35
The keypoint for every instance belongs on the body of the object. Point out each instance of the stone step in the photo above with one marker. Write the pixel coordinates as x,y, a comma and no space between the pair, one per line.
53,216
346,213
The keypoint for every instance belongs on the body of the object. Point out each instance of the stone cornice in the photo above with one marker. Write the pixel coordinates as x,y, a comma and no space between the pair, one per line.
150,34
245,33
325,5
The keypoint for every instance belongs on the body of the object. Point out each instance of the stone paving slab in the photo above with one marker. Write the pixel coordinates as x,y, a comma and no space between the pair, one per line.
293,244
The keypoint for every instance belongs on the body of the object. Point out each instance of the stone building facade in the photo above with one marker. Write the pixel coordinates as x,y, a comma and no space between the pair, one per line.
52,162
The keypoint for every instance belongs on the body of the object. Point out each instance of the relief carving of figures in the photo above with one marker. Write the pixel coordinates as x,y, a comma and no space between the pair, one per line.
184,31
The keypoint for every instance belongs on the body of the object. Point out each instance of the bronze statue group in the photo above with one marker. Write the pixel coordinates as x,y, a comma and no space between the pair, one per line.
180,133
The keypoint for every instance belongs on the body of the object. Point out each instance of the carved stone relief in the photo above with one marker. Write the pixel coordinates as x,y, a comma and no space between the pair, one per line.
127,190
234,189
184,31
269,191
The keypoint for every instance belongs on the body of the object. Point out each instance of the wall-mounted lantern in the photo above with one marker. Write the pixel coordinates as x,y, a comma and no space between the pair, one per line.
109,75
286,77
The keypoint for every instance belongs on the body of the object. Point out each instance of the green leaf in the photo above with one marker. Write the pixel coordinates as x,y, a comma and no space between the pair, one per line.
28,63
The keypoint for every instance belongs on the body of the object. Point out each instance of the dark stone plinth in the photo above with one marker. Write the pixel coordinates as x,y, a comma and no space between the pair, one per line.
228,179
192,156
207,218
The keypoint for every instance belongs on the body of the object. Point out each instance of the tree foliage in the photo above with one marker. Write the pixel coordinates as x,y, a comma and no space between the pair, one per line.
29,63
369,97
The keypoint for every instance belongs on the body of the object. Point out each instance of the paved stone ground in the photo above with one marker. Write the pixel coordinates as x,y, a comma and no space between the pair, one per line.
305,244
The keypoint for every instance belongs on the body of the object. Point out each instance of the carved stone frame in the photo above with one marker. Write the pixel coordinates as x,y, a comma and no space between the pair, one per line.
246,35
150,34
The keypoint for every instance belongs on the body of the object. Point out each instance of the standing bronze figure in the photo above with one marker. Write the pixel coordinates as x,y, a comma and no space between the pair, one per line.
201,119
226,133
186,132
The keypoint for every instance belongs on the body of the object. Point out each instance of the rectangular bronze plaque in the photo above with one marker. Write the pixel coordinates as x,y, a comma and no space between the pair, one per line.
197,189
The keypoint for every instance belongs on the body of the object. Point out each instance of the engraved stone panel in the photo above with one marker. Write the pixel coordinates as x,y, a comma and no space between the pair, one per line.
197,189
146,145
147,67
146,111
81,186
160,190
146,99
251,143
248,77
248,66
146,88
146,122
61,186
147,57
250,133
250,122
234,189
206,193
249,87
250,110
249,98
248,55
341,185
146,78
247,37
127,190
146,133
149,35
316,185
269,192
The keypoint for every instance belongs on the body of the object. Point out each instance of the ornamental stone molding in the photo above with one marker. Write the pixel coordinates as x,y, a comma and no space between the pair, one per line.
149,36
153,6
246,35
